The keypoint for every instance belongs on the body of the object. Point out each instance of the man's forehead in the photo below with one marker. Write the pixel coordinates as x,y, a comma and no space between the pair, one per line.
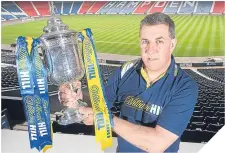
160,30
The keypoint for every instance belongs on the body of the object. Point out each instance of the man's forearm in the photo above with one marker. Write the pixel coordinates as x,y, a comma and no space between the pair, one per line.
145,138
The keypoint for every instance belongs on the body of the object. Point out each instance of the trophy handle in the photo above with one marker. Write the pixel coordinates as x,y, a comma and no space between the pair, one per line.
47,61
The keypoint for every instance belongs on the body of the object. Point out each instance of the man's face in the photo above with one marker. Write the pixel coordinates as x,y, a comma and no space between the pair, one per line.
156,46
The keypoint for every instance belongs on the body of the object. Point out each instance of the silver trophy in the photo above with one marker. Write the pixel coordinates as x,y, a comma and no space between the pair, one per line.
63,59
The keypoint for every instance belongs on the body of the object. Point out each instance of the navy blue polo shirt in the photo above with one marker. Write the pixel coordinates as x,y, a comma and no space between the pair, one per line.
169,102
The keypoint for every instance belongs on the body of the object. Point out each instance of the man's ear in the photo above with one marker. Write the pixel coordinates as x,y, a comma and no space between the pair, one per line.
173,44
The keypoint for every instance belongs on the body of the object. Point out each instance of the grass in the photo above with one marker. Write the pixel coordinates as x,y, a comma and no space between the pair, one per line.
198,35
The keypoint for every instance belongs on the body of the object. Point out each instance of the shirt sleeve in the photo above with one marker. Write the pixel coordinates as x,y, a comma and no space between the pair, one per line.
111,88
177,113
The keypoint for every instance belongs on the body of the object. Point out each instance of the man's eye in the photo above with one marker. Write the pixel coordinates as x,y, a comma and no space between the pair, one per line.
159,42
144,42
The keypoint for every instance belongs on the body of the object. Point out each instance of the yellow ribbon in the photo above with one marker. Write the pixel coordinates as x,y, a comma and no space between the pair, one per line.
101,115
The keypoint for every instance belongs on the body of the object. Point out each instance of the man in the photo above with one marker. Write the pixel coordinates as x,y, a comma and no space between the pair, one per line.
157,97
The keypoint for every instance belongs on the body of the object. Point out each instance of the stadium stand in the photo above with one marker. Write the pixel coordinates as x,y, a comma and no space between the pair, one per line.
143,7
107,7
172,7
36,8
206,119
42,7
130,7
75,7
158,7
66,7
187,7
27,8
85,7
216,74
6,15
218,7
12,8
203,7
96,6
117,8
58,6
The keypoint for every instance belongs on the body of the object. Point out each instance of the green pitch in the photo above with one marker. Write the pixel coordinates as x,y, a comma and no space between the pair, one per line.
198,35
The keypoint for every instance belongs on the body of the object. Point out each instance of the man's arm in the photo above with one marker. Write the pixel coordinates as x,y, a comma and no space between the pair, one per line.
154,140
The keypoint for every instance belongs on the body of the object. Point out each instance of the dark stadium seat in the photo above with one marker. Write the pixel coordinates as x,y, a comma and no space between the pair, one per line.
208,113
204,108
198,126
5,120
211,120
197,119
214,127
220,114
219,109
197,113
221,120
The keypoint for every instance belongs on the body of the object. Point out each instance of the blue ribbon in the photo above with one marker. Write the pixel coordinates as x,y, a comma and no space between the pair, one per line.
32,79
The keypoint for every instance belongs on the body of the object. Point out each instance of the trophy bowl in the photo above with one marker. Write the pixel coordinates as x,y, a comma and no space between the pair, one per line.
64,62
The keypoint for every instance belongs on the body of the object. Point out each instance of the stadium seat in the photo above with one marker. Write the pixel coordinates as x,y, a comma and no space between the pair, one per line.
143,7
208,113
219,109
118,7
58,5
197,119
66,7
76,7
198,126
27,7
221,120
11,7
172,7
197,113
96,7
214,127
5,120
130,7
192,136
187,7
210,120
85,7
42,7
108,6
158,6
203,7
218,7
220,114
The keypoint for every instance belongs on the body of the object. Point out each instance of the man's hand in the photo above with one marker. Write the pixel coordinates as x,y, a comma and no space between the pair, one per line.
69,98
88,115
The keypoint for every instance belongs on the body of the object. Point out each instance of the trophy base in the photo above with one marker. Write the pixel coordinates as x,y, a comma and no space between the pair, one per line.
71,115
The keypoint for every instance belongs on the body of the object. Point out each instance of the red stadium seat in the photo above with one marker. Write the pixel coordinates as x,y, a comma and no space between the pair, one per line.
96,6
219,7
85,7
27,7
42,7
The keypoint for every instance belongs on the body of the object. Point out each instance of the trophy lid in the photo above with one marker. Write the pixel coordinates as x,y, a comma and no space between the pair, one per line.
55,26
